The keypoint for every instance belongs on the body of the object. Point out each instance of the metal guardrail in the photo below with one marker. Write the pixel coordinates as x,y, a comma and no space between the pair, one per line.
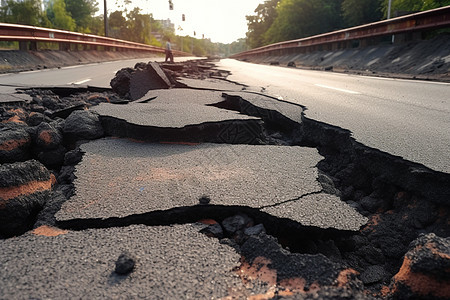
431,19
33,34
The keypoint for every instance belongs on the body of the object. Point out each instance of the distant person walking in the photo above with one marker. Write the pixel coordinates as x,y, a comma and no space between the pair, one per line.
169,54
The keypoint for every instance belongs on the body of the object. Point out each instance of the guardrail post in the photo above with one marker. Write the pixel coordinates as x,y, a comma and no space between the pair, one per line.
33,46
64,46
23,46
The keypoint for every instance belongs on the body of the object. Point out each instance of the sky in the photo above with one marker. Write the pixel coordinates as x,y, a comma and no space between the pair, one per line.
220,20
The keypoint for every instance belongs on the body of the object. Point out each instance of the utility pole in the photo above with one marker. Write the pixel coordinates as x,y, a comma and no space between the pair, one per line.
389,16
389,9
105,17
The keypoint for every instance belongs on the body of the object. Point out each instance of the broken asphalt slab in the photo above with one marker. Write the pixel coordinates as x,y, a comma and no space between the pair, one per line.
212,83
171,262
174,109
118,178
198,115
179,115
163,262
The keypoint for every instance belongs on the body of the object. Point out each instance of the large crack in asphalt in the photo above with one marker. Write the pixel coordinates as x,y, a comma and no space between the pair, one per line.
402,200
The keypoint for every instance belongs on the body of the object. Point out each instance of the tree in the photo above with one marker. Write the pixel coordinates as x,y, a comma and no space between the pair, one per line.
117,25
357,12
96,25
138,26
301,18
258,24
25,12
402,7
81,11
59,17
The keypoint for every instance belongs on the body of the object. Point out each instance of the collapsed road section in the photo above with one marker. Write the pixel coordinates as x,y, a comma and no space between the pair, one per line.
187,188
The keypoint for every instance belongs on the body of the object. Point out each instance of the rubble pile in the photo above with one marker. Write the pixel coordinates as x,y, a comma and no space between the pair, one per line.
403,252
38,140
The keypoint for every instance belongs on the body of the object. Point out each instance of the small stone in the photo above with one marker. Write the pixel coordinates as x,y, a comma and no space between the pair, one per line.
120,84
35,118
237,222
125,264
73,157
47,136
14,143
371,254
19,200
83,124
50,102
373,274
371,204
213,230
424,273
348,192
204,200
52,158
255,230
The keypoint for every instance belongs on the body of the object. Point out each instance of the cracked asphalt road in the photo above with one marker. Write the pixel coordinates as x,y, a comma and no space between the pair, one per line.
401,117
119,178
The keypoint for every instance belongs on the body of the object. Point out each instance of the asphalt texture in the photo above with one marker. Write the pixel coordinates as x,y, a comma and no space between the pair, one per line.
172,109
172,262
212,84
404,118
9,95
119,178
270,105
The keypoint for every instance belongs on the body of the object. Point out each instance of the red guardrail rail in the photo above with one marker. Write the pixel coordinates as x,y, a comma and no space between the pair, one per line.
431,19
25,33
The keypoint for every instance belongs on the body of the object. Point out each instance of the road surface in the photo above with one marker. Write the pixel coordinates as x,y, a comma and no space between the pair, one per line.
406,118
94,74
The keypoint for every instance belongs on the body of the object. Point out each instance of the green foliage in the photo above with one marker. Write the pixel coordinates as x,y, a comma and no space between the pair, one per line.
96,26
281,20
402,7
138,26
301,18
357,12
134,26
82,12
25,12
59,17
117,25
258,24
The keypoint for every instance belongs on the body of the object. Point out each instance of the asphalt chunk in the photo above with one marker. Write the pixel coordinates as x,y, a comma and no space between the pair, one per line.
173,262
119,178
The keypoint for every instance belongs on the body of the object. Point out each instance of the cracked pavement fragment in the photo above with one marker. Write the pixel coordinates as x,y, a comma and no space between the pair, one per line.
172,262
172,109
119,178
320,210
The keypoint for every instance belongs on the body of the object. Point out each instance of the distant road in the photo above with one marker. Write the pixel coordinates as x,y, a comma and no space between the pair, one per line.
406,118
95,74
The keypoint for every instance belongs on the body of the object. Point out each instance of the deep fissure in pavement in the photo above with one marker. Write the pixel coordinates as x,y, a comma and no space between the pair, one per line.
401,198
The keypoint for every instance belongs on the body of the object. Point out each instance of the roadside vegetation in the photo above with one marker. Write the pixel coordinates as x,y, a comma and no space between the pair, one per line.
281,20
